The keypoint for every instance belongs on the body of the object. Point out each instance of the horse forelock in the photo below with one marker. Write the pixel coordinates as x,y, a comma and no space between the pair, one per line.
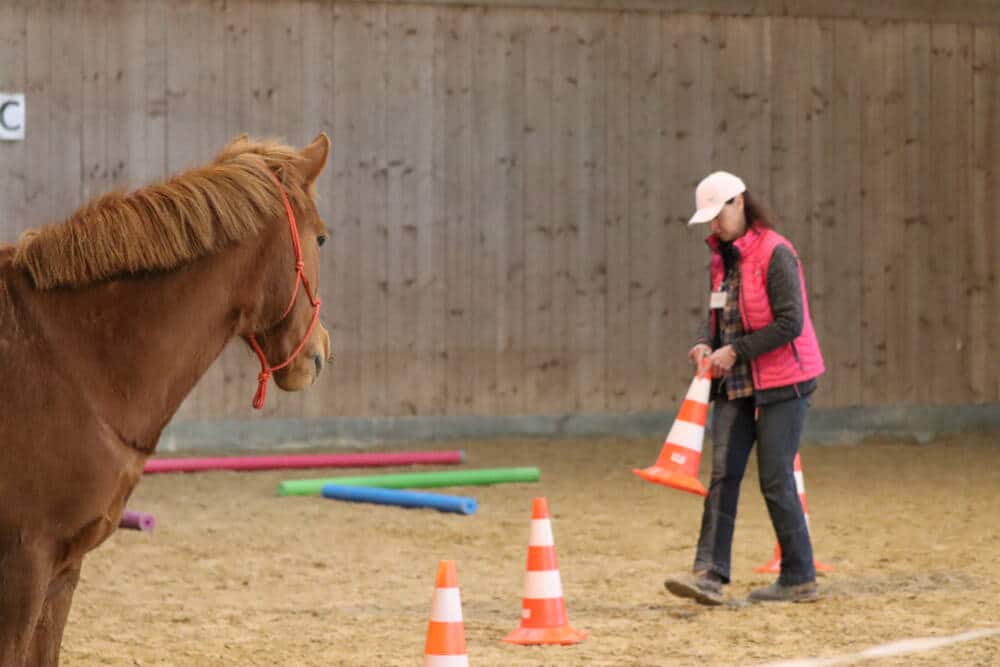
165,225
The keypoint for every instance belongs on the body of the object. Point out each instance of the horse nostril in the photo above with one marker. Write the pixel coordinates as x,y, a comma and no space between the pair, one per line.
318,360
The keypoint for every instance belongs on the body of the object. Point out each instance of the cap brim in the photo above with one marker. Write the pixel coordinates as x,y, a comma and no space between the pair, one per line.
705,215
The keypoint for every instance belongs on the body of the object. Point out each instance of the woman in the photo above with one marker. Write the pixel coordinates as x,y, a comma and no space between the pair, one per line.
764,355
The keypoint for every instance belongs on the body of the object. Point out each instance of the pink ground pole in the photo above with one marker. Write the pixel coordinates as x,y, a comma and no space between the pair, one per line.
303,461
137,520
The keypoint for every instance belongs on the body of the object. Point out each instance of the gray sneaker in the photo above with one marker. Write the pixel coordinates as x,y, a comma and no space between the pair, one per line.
698,586
807,592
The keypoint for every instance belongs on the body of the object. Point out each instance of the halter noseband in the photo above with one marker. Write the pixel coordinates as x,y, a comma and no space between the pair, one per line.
300,279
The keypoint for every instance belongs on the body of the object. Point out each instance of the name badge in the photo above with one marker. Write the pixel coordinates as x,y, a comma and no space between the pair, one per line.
718,300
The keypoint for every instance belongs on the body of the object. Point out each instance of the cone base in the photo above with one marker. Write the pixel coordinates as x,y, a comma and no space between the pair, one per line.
774,567
563,635
671,478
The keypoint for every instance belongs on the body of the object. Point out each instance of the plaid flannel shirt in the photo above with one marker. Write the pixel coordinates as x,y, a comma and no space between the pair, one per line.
738,382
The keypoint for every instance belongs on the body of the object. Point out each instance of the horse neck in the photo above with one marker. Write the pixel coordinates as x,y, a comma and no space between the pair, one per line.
135,347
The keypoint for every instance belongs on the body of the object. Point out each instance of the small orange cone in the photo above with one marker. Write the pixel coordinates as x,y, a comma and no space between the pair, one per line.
680,457
775,565
445,645
543,610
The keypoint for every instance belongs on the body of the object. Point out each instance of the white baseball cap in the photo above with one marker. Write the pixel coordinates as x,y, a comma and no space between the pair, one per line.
712,194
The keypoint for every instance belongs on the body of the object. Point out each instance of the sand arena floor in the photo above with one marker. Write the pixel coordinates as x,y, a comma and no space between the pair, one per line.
234,575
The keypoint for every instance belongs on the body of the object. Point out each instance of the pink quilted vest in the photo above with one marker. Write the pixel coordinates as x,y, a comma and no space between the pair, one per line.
801,359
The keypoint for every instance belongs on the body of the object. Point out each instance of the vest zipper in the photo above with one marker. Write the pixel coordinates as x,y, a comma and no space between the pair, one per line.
746,327
795,353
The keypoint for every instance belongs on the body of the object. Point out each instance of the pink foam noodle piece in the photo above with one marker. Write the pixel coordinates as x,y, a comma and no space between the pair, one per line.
137,521
370,460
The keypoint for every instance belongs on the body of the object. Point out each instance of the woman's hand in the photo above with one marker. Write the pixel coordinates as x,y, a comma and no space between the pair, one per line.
722,360
696,353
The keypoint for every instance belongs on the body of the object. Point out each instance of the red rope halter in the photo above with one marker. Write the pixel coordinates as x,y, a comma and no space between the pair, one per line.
300,279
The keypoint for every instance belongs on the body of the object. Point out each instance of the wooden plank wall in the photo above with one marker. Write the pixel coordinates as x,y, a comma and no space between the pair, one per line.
508,188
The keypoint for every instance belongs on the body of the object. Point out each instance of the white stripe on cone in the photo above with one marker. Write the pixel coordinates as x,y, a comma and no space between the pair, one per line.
447,606
541,585
541,533
699,390
800,482
686,434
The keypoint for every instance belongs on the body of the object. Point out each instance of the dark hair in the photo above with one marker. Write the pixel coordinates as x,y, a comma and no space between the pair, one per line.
758,212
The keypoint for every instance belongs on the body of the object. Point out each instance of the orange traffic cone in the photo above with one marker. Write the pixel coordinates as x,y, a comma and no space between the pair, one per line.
543,610
681,453
445,645
775,565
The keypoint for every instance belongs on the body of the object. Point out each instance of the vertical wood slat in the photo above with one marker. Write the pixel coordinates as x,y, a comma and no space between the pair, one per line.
238,24
93,105
790,189
589,266
915,216
874,298
668,340
412,306
646,330
126,93
617,181
457,32
492,55
182,91
894,240
946,362
433,270
38,86
506,218
362,44
65,123
540,360
565,39
964,259
350,170
984,286
742,100
842,261
153,159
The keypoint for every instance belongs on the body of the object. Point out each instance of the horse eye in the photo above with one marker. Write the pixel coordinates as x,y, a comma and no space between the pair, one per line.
321,239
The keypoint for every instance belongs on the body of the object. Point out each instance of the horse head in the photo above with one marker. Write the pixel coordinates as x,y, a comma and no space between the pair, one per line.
285,332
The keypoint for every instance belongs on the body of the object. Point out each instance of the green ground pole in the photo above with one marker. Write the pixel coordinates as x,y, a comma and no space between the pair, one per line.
416,480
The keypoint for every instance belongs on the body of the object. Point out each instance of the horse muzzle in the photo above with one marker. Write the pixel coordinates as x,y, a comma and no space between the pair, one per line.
308,366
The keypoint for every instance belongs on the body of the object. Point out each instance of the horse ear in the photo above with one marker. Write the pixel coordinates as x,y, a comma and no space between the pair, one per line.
234,146
315,157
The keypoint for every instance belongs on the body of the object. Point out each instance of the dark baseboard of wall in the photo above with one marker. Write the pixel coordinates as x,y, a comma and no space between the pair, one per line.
824,426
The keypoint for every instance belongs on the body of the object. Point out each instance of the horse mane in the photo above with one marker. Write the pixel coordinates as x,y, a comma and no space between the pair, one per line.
162,226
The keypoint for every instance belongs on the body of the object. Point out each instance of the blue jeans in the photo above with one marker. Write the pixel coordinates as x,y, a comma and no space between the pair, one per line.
777,431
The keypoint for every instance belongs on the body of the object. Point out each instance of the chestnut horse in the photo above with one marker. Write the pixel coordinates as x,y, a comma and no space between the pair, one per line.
107,321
